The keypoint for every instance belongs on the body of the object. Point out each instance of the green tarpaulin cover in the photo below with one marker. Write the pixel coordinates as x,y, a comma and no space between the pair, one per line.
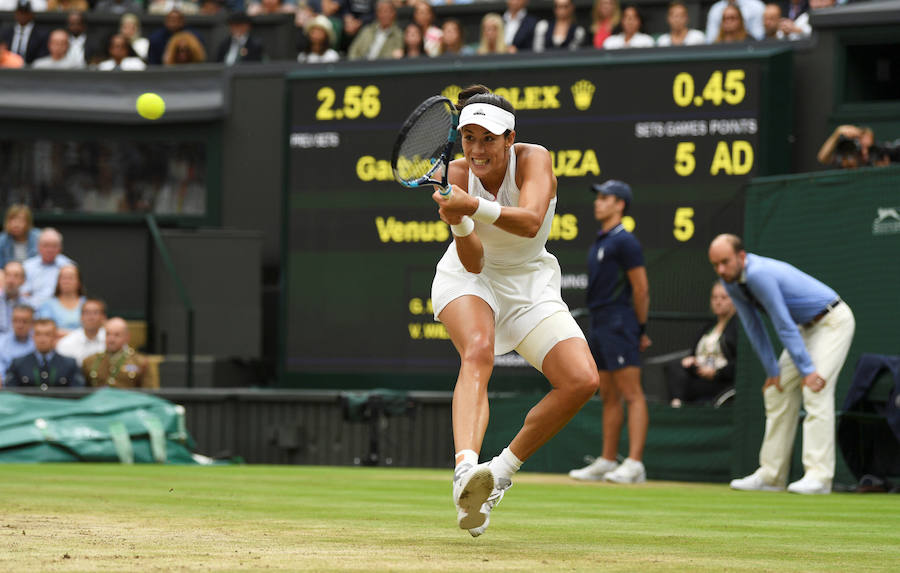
108,425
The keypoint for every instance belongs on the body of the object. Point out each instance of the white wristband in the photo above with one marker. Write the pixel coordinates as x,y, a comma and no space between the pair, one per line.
487,211
464,228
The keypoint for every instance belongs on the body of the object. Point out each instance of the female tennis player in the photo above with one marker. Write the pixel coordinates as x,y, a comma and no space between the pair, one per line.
497,289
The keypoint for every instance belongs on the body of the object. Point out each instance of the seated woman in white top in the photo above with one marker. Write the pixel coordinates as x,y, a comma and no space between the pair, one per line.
630,35
679,33
130,27
119,58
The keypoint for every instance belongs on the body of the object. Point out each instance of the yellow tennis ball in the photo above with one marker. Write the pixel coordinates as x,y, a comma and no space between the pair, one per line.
150,106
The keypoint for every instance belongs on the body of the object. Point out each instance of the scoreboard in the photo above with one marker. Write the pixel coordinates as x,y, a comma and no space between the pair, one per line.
686,129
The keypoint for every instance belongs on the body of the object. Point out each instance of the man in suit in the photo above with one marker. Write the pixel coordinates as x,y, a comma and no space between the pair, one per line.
518,25
24,37
240,46
44,367
119,365
381,38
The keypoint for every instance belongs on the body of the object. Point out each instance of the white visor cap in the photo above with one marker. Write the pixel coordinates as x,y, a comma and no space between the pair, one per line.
494,119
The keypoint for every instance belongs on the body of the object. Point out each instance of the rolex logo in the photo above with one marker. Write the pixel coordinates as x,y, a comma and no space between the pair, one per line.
583,93
451,93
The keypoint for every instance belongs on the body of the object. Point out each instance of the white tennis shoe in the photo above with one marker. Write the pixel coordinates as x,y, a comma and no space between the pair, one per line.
500,488
595,470
631,471
472,486
753,482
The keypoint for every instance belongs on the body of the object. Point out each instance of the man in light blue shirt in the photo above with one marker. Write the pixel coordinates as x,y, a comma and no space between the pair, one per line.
42,270
12,294
18,341
816,328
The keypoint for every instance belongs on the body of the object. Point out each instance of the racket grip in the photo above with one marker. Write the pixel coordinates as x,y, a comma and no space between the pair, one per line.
446,192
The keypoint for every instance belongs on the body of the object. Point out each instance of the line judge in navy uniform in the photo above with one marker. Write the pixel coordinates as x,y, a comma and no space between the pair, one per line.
44,368
618,296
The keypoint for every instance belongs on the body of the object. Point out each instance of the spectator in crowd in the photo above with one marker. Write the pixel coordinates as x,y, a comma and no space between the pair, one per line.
119,7
9,60
732,28
453,41
82,48
90,337
240,46
24,37
130,28
67,6
42,270
492,38
11,297
799,27
172,24
772,22
816,328
751,12
270,7
184,48
709,370
851,146
423,16
605,18
679,34
618,296
413,42
19,238
64,309
793,8
561,32
166,6
119,365
213,7
380,39
518,26
18,341
119,58
57,59
354,14
44,367
320,39
630,36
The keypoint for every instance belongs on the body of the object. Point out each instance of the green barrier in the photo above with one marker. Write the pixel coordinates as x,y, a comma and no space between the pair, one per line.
109,425
683,444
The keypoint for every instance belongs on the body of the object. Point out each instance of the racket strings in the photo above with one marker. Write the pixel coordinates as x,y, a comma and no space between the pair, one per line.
424,143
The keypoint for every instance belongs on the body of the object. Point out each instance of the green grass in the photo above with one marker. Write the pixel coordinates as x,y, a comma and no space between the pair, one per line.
81,517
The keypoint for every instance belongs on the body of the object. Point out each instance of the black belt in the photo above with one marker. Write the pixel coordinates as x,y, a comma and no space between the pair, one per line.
831,306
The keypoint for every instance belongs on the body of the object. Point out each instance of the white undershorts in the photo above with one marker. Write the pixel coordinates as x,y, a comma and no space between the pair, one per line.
551,331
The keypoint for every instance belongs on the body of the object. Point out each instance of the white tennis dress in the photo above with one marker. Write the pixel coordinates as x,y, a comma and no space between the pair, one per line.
520,279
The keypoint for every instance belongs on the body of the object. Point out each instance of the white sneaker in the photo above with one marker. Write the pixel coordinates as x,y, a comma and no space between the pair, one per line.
753,482
809,486
631,471
472,486
500,488
595,470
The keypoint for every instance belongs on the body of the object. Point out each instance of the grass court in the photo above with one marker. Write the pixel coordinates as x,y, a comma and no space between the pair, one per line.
99,517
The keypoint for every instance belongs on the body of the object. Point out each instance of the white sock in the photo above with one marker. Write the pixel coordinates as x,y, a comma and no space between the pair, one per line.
466,457
505,465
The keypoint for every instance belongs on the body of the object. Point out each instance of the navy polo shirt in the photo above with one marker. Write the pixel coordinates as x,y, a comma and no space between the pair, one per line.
612,255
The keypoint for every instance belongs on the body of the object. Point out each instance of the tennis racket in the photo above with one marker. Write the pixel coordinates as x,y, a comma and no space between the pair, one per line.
422,151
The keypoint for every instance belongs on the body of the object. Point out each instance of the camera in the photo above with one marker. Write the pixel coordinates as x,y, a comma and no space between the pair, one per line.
847,145
885,152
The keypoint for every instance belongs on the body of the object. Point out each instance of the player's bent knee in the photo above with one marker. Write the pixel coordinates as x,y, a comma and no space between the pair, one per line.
479,351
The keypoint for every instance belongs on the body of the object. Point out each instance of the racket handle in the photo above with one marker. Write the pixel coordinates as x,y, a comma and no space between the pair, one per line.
446,192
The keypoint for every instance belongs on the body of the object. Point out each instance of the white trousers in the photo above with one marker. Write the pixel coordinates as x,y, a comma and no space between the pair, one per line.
827,342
